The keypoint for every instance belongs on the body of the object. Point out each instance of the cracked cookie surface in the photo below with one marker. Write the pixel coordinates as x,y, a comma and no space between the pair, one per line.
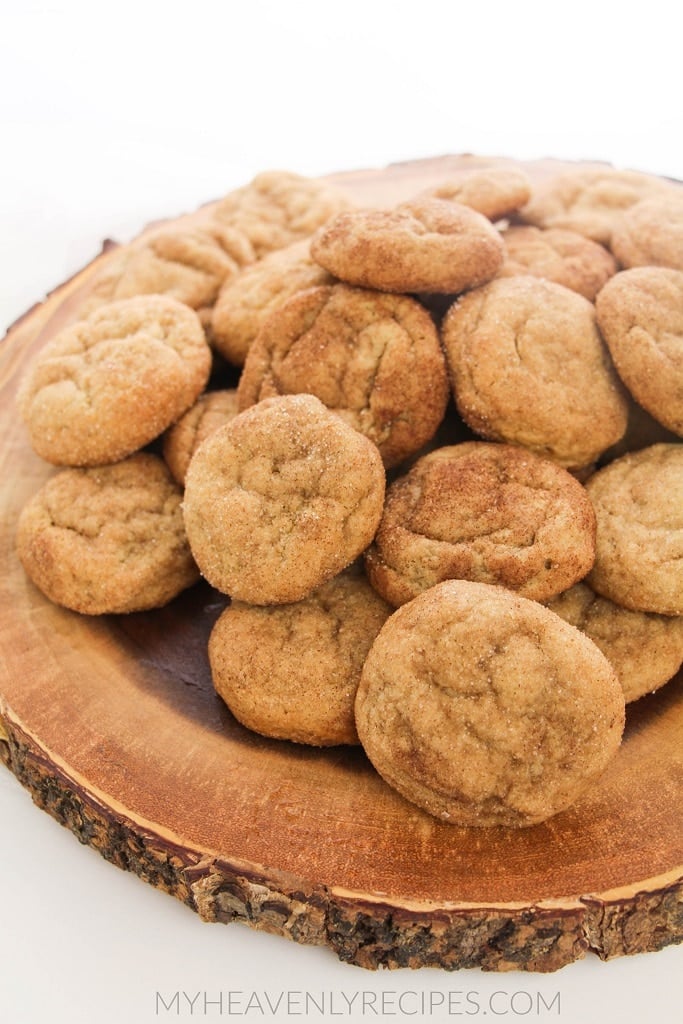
281,499
106,386
589,200
638,501
246,301
651,233
495,192
108,540
373,359
427,245
485,708
528,366
187,264
645,649
278,208
640,314
564,257
291,671
490,513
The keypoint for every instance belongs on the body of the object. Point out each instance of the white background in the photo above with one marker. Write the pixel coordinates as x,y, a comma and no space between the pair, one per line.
114,114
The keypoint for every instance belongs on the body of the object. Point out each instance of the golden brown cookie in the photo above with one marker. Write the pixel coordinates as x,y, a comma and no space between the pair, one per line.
106,386
291,671
186,263
557,255
485,708
528,366
638,501
374,359
484,512
247,300
278,208
495,192
427,245
589,200
644,649
212,410
108,540
281,499
651,233
640,315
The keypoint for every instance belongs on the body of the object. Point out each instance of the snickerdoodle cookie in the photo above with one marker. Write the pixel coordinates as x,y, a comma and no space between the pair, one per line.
246,300
589,200
495,192
108,539
186,263
640,314
281,499
638,501
427,245
278,208
374,359
291,671
485,708
528,366
644,649
490,513
108,385
557,255
211,410
651,233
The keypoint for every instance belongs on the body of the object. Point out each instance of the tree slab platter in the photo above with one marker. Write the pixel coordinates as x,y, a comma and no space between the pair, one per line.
113,725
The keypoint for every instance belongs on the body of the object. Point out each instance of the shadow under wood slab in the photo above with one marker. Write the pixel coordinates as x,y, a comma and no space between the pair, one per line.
114,727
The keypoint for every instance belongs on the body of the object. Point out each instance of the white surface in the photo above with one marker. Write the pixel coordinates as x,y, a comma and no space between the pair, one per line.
113,116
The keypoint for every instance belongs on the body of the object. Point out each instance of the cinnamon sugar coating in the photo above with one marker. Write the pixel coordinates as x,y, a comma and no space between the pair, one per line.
528,366
106,386
490,513
291,671
485,708
375,359
108,540
427,245
281,499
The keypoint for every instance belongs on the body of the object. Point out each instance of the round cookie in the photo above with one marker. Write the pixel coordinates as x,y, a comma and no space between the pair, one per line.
427,245
651,233
638,501
564,257
495,192
489,513
212,410
106,386
644,649
374,359
528,366
640,315
278,208
281,499
187,264
107,540
589,200
247,300
486,709
291,671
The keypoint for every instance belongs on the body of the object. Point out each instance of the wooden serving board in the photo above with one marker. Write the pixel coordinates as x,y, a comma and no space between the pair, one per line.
113,725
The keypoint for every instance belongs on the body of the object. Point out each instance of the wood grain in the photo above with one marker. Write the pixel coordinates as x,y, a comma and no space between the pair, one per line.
114,727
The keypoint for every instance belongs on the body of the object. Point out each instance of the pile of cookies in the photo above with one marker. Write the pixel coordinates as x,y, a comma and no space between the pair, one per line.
445,493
